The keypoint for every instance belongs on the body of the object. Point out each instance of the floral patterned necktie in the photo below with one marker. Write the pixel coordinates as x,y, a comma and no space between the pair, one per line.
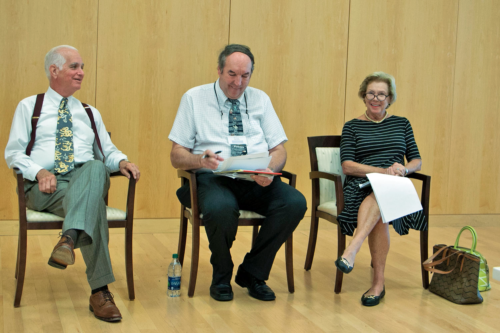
236,127
64,157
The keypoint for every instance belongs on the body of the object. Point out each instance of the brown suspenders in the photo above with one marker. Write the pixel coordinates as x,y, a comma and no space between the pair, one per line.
34,121
92,123
36,116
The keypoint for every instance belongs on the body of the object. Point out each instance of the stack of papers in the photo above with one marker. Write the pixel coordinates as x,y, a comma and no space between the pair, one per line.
396,196
244,166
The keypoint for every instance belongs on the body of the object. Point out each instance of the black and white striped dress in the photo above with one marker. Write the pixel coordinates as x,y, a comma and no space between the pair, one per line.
379,145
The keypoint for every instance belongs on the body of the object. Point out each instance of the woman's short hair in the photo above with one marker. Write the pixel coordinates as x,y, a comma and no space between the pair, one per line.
379,77
54,57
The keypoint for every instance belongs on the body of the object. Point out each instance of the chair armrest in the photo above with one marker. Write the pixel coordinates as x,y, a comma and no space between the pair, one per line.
315,176
21,198
190,177
292,178
419,176
325,175
426,191
19,177
187,174
130,193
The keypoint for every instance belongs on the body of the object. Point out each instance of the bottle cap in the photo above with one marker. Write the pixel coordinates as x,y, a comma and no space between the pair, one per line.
175,256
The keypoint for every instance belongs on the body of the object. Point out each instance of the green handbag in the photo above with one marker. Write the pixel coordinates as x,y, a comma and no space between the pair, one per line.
484,271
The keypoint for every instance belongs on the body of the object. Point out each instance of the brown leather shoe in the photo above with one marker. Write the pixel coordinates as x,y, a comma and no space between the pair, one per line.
63,253
103,306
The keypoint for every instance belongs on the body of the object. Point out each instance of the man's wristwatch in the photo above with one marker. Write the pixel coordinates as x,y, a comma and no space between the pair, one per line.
406,172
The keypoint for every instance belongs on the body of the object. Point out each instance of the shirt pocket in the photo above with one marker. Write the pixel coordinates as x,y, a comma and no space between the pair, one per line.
254,128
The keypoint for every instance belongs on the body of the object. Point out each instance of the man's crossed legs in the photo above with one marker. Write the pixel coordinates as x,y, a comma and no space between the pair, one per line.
79,198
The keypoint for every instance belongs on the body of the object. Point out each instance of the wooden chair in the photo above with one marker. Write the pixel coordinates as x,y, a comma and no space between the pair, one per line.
33,220
328,199
247,218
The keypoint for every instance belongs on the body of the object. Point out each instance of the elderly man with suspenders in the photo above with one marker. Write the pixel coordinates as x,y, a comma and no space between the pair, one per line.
66,155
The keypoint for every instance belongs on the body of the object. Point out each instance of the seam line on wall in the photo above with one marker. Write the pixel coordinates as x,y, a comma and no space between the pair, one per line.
96,54
452,105
347,60
229,29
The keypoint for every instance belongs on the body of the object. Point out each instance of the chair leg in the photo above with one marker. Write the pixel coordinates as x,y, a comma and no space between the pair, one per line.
289,263
340,250
129,262
21,265
181,248
195,253
424,254
313,236
18,253
254,234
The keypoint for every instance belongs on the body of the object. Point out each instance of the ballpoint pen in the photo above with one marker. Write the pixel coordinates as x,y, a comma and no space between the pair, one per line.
363,185
217,152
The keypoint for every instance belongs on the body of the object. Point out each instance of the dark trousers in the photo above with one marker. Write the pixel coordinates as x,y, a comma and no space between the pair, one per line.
220,199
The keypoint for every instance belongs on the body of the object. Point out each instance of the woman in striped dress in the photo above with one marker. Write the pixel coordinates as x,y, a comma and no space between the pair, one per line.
374,142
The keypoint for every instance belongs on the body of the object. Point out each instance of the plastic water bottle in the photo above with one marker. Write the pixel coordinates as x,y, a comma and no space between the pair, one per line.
174,277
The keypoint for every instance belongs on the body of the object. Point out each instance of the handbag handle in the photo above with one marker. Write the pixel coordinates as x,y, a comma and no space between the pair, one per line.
429,264
474,238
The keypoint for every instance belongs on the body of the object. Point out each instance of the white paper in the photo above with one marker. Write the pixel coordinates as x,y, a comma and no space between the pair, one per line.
244,176
396,196
259,161
249,157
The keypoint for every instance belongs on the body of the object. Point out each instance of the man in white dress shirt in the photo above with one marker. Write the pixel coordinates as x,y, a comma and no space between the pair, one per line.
65,174
230,117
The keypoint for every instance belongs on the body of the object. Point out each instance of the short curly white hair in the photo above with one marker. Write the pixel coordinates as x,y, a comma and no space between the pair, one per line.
54,57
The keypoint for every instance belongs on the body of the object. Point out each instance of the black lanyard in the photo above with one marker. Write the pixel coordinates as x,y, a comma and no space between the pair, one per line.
220,109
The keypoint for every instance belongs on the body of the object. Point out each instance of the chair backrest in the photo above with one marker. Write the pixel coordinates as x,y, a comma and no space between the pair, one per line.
324,154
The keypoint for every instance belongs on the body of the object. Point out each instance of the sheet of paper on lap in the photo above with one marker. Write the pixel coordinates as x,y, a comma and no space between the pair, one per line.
396,196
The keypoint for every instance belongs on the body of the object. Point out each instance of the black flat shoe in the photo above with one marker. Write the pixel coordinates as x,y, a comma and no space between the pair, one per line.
343,265
372,300
256,288
221,292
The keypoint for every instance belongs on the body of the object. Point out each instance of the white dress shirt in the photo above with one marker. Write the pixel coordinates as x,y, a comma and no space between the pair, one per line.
42,154
202,121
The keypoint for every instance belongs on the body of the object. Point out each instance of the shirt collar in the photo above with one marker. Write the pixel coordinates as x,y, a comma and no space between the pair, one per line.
222,98
54,97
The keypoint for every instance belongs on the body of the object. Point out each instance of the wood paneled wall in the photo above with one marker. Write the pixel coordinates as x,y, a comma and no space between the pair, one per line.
141,56
301,65
474,173
150,54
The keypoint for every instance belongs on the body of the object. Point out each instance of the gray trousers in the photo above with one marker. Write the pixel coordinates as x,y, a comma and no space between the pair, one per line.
79,198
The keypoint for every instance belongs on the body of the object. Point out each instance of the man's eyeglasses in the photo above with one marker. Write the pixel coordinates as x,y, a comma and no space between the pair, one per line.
380,97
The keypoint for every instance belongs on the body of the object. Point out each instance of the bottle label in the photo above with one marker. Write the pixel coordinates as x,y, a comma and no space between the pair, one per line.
174,283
